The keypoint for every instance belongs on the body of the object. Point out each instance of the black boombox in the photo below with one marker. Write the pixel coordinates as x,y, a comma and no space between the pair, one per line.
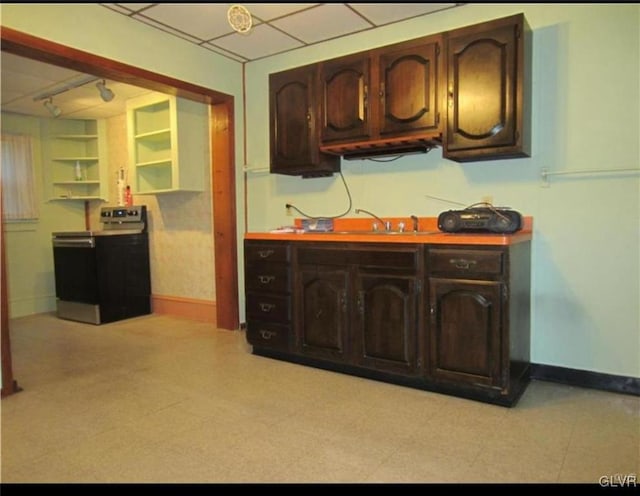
482,219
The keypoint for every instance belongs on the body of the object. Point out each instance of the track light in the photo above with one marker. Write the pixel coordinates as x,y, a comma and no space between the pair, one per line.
105,93
55,111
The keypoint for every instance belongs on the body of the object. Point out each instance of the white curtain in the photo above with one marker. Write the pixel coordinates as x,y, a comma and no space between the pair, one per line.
17,178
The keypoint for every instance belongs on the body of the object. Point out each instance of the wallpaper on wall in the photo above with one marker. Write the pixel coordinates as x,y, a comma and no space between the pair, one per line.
180,227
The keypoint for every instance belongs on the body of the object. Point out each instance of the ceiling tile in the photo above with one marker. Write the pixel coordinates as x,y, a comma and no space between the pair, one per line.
322,23
202,20
134,7
261,41
269,11
168,29
15,63
384,13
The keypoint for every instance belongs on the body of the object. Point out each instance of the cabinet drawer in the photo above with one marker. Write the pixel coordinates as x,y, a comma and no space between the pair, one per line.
267,334
265,252
465,261
271,308
268,277
371,256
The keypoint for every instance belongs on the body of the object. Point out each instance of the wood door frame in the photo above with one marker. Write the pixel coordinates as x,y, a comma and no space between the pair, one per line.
223,184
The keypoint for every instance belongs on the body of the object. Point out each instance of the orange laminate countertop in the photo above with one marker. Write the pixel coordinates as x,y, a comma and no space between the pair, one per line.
428,233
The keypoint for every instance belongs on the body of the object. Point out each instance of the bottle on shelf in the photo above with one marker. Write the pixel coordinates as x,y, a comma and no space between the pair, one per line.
78,171
121,189
128,197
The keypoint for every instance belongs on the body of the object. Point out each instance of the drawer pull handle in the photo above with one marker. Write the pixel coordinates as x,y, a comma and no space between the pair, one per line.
267,307
266,279
462,263
267,334
265,253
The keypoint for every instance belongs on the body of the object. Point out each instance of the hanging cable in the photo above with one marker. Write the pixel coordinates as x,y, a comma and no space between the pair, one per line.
290,205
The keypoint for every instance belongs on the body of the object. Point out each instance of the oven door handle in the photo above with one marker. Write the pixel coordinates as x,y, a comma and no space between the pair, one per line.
74,243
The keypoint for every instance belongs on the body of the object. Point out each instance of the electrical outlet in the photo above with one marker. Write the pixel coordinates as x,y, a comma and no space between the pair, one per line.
487,199
289,210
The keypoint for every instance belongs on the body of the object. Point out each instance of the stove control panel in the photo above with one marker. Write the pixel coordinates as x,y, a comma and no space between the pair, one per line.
123,215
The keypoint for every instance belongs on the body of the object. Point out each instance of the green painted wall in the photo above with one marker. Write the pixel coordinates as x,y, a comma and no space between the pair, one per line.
586,113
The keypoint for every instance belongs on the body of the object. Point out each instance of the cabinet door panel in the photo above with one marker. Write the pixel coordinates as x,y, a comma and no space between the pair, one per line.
322,316
408,89
488,91
344,103
291,103
293,131
466,322
386,316
482,89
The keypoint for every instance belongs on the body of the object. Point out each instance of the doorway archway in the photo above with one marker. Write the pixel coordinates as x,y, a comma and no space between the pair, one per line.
222,166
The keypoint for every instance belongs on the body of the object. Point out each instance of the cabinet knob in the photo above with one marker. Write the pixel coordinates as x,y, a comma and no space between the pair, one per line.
265,253
265,334
267,307
266,279
462,263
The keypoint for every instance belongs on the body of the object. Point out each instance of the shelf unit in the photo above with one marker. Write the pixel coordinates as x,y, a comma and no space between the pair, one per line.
71,142
168,143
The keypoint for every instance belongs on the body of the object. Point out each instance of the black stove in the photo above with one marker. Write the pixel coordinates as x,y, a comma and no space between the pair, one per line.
104,275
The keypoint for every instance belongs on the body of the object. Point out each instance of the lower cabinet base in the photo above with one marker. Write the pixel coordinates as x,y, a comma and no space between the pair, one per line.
489,396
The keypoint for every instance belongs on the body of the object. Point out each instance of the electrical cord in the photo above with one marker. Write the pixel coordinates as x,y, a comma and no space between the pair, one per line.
290,205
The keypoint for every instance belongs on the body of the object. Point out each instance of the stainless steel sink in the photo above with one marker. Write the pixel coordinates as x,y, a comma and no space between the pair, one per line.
376,233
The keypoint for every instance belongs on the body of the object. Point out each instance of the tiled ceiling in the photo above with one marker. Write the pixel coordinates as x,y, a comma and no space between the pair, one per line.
275,28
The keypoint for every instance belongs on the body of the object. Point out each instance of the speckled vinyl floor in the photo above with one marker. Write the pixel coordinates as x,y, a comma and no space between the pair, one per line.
160,399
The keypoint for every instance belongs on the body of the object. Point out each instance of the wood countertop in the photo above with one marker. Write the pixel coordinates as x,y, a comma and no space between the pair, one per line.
347,231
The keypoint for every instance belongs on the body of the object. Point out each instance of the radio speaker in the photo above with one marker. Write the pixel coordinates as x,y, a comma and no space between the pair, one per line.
490,220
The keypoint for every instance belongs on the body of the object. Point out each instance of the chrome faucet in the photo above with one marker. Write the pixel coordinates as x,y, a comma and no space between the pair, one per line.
415,223
386,224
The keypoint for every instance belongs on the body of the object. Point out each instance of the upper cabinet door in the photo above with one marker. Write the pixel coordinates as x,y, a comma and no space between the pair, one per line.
487,108
344,101
293,127
408,91
291,95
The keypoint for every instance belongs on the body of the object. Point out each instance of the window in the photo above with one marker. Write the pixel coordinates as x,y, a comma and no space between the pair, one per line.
17,179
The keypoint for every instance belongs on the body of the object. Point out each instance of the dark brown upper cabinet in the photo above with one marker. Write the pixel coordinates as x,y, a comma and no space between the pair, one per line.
387,99
293,131
467,90
488,91
344,103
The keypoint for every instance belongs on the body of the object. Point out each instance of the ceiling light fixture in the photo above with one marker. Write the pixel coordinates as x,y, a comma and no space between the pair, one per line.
105,93
239,18
54,110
